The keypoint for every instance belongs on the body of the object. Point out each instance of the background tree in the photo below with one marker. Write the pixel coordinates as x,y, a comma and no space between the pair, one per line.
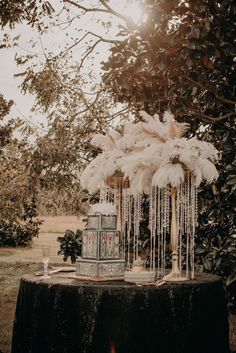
181,58
18,203
30,11
184,60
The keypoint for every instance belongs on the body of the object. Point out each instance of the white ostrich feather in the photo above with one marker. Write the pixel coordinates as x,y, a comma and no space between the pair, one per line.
160,178
198,175
155,129
150,152
177,130
135,137
163,131
187,160
141,180
208,170
146,157
103,166
100,140
208,151
106,141
146,116
151,155
172,174
88,173
145,180
168,117
176,175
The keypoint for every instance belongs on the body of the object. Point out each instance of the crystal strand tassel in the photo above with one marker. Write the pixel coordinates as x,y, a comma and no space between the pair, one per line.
151,226
193,223
158,232
162,234
179,249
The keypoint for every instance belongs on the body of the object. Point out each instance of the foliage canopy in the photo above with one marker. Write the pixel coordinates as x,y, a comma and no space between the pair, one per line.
182,58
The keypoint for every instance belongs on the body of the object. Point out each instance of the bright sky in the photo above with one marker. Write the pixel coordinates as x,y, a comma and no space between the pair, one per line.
54,40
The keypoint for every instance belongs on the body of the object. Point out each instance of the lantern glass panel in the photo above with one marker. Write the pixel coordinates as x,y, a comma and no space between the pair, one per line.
93,222
108,222
89,244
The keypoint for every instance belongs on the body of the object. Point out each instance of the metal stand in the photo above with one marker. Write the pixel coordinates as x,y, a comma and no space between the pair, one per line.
175,274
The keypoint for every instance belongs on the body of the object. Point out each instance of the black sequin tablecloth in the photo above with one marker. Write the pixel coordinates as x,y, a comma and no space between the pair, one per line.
62,315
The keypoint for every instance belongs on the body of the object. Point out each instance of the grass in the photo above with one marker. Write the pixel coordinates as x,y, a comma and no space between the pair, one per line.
58,224
9,282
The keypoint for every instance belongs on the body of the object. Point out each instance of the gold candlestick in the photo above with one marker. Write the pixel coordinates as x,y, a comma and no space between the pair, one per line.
175,274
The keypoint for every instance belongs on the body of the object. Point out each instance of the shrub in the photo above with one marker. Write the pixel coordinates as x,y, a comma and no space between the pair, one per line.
12,234
70,245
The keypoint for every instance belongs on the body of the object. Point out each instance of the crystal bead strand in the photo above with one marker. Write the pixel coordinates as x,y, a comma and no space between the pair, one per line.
154,223
181,220
125,219
185,208
193,223
107,194
135,227
111,196
137,219
150,226
162,234
165,210
168,209
101,197
195,212
189,217
139,210
129,226
155,227
179,246
158,231
107,190
185,226
116,198
196,205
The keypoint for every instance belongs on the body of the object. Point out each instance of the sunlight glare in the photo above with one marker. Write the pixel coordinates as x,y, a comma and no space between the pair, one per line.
131,9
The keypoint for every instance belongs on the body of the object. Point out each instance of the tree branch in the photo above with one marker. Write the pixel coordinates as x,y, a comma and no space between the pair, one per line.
128,20
107,10
207,117
85,9
223,99
89,51
90,105
220,98
105,40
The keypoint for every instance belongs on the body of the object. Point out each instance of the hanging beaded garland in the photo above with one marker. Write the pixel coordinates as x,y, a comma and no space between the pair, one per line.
178,204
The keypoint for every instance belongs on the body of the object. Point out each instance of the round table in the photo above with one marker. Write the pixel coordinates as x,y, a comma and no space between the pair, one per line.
62,315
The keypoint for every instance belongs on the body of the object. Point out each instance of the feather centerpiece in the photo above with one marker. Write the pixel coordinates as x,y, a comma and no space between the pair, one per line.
167,155
153,157
154,145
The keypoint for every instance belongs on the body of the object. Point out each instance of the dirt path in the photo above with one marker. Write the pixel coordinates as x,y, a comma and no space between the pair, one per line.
50,230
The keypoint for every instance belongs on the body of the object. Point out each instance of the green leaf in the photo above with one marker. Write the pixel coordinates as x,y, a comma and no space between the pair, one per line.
231,180
231,279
